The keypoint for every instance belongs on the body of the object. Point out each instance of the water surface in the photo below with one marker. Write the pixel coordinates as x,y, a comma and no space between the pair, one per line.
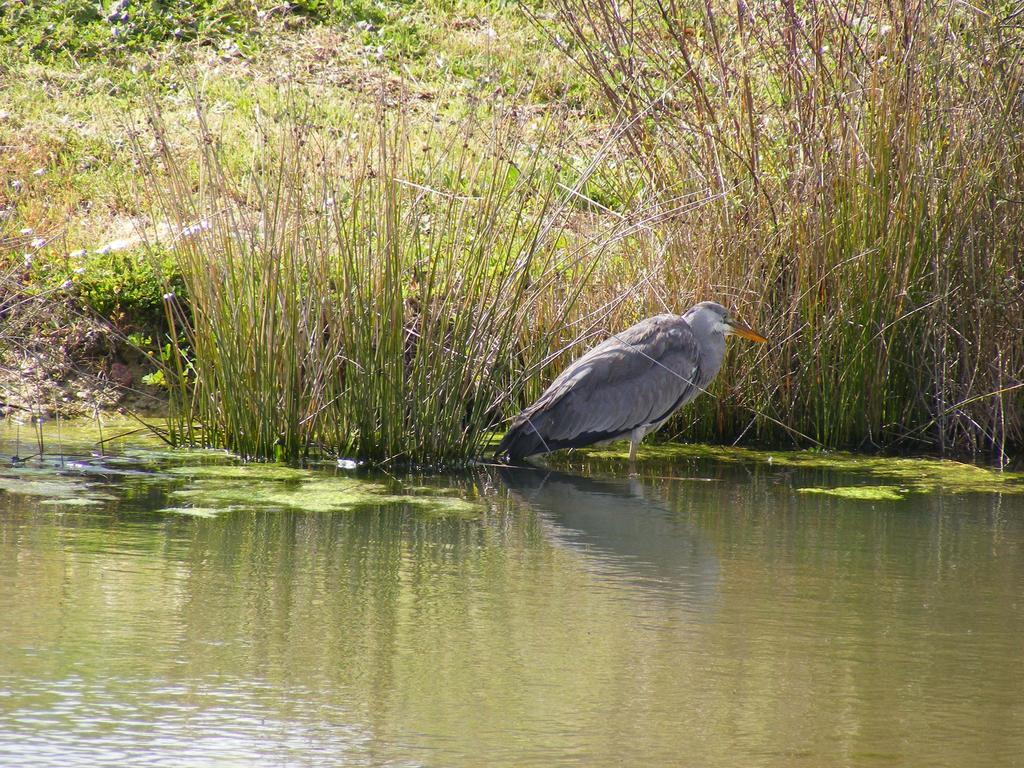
706,613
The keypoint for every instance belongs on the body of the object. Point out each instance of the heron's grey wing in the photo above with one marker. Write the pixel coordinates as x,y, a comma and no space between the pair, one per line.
635,378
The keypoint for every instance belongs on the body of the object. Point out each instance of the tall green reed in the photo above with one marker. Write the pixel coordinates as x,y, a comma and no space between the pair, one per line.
362,289
849,177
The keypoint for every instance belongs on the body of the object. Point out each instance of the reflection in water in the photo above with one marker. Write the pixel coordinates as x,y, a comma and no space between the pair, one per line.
559,631
616,523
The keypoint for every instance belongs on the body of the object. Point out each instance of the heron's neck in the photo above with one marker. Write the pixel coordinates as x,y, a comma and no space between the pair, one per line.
712,352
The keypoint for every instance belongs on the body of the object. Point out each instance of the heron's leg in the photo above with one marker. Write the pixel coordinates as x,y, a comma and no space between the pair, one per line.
634,441
632,456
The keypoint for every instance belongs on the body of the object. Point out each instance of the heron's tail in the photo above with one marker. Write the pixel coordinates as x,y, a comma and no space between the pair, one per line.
521,441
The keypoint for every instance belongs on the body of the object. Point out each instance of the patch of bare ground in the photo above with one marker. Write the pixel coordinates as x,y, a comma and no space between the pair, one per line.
56,359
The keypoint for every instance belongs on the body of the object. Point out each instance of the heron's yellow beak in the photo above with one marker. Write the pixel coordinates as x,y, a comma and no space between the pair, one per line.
741,329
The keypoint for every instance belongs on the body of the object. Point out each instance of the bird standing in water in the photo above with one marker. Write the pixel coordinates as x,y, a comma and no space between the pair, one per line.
629,385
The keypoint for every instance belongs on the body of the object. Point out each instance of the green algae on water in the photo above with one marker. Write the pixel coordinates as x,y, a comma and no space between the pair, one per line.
914,475
276,487
57,489
206,512
87,501
860,492
241,472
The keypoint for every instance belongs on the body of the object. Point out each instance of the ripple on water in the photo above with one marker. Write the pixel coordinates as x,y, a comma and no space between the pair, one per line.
117,722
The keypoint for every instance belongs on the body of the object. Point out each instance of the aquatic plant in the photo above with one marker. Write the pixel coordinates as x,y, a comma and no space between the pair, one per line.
215,489
860,492
913,474
358,288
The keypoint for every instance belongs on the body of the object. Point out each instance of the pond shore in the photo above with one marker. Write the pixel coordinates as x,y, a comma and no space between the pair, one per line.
869,232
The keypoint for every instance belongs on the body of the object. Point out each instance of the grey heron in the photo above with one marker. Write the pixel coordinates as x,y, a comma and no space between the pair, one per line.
629,385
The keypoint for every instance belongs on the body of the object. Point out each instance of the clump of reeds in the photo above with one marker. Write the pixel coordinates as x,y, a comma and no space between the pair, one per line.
361,289
850,178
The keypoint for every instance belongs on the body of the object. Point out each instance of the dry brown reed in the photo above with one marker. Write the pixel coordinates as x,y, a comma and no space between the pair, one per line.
849,177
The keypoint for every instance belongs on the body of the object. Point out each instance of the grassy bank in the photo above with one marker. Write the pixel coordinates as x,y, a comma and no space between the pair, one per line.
851,183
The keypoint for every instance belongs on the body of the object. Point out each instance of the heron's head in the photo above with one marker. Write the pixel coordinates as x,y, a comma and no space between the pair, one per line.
710,317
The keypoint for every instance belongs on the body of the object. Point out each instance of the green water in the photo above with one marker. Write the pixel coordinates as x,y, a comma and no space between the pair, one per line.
157,610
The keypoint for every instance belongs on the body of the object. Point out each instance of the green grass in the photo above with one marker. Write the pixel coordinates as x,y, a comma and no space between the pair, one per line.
63,31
